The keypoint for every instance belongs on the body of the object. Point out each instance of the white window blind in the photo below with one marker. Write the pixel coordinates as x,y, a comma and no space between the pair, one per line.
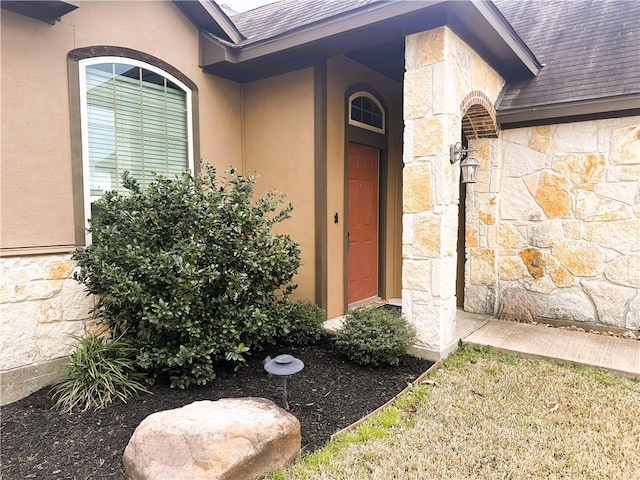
137,121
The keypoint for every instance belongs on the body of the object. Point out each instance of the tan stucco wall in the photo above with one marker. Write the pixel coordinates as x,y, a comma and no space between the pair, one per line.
279,145
343,73
36,188
40,303
553,225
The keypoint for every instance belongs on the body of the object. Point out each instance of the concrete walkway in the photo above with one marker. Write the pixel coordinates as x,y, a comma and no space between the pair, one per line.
620,355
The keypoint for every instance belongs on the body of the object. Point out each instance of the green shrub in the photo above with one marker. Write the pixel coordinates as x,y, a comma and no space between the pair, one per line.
303,323
99,370
375,336
189,270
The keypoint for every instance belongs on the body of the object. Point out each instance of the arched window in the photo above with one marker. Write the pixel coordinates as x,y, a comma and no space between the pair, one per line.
365,111
135,117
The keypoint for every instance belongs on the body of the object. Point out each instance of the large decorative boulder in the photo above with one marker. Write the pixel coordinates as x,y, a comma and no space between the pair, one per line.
230,439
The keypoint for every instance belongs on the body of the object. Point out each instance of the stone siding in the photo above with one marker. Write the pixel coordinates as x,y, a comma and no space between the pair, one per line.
40,304
442,73
553,224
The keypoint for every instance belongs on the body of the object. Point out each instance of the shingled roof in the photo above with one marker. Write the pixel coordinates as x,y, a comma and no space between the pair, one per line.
285,15
590,49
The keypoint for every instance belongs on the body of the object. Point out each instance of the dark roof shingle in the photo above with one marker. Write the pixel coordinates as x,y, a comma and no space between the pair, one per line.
590,49
285,15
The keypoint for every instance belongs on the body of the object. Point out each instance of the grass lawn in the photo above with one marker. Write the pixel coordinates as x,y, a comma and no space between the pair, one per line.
487,415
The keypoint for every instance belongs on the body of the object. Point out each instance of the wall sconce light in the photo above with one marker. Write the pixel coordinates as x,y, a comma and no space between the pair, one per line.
468,166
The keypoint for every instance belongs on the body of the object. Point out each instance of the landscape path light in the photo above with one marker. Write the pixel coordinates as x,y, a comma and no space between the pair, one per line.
283,366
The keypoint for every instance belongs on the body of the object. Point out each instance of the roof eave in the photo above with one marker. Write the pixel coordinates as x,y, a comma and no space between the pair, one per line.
208,16
501,44
352,20
47,11
587,109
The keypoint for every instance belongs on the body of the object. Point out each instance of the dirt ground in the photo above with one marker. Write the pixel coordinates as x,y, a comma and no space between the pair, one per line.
329,394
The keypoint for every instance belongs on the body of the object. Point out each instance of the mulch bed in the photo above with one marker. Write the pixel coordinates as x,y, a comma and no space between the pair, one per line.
328,395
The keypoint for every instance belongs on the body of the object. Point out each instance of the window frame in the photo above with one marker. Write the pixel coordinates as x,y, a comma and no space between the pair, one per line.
84,121
366,126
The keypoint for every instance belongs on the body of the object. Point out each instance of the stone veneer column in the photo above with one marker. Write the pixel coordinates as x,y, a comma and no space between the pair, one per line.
430,189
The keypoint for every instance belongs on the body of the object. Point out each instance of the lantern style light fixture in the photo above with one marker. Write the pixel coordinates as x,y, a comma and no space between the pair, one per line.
468,165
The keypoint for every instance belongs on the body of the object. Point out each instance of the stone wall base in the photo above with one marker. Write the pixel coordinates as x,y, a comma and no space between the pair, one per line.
420,351
23,381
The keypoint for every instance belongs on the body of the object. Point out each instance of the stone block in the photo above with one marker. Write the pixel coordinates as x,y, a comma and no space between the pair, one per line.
471,234
533,259
230,439
545,234
416,188
539,143
418,93
416,275
509,236
50,310
18,324
408,142
446,181
34,290
517,304
519,160
426,321
621,236
553,194
542,285
443,277
53,340
572,229
521,204
610,301
625,192
510,268
592,207
567,304
478,299
517,136
581,258
60,270
542,130
75,300
483,268
427,237
560,276
623,173
429,136
624,270
587,168
578,137
625,145
429,46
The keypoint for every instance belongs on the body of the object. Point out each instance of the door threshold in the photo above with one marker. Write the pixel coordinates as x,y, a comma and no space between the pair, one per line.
364,303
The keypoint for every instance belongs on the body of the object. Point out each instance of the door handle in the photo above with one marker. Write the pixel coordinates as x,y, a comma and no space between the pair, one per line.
348,241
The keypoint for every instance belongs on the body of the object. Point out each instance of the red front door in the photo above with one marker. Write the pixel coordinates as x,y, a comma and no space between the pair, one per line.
362,264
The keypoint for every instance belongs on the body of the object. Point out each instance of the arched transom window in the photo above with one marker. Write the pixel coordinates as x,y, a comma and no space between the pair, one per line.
365,111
